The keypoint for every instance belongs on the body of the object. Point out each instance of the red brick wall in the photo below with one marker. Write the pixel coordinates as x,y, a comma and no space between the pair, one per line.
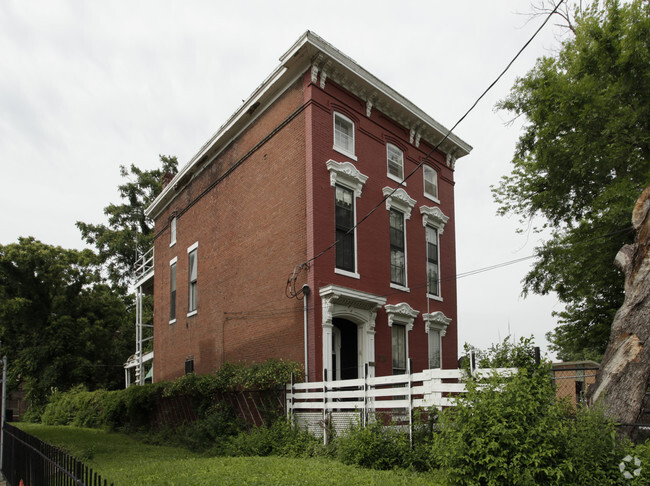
373,249
276,210
250,229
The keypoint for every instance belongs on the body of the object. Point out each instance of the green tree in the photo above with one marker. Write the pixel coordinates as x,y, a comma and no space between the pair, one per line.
580,164
129,231
60,324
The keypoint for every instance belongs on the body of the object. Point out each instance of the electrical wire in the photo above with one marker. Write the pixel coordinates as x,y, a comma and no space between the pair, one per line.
284,311
387,196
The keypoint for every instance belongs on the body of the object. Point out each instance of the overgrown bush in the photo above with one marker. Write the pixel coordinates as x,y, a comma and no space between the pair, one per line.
131,408
279,439
375,446
515,431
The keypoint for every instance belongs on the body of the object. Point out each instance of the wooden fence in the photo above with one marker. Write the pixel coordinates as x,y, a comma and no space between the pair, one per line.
325,406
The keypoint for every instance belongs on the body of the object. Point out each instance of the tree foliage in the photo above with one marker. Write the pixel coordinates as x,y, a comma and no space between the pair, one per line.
129,232
60,324
580,164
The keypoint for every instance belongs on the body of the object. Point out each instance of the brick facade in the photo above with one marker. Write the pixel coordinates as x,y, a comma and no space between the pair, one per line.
263,203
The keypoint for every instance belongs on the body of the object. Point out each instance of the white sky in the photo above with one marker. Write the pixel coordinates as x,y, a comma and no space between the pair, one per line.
87,86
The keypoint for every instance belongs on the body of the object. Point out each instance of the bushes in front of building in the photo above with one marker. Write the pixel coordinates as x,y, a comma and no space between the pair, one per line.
503,431
131,409
516,431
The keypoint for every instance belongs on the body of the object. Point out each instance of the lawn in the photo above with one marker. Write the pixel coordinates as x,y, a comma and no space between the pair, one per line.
127,461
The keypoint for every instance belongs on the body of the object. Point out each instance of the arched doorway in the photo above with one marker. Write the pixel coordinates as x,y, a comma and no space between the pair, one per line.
345,349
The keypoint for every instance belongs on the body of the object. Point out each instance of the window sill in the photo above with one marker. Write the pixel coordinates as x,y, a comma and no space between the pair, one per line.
193,313
399,287
173,321
433,198
396,179
434,297
345,152
347,273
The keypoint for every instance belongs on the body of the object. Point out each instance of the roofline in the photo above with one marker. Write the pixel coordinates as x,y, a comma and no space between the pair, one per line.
303,53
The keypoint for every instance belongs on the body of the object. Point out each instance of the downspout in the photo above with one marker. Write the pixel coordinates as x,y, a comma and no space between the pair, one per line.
305,292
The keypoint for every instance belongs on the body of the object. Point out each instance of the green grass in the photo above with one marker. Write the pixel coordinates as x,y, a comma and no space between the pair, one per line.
125,461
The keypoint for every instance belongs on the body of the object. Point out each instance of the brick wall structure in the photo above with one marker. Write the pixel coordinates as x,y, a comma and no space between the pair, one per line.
263,203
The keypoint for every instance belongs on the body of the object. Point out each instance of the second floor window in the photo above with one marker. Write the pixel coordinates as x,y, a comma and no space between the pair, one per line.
193,278
397,248
343,134
433,268
172,292
344,216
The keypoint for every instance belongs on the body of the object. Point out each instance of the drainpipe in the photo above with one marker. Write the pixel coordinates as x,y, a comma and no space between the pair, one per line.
305,292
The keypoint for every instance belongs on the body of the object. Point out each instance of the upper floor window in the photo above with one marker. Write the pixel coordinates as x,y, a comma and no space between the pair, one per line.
433,268
347,182
430,182
344,216
172,291
397,249
395,161
172,231
434,221
344,135
192,278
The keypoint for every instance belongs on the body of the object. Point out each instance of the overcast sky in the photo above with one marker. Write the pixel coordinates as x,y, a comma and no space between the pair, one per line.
88,86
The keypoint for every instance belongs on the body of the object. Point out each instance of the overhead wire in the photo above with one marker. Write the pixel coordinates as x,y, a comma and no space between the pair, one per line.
432,151
268,313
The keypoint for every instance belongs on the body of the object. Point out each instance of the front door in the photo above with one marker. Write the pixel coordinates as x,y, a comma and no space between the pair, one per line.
345,349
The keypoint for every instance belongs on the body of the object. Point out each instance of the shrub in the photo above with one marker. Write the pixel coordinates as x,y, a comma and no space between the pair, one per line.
279,439
517,432
375,446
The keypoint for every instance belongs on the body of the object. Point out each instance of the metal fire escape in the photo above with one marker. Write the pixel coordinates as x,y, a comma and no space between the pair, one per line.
141,362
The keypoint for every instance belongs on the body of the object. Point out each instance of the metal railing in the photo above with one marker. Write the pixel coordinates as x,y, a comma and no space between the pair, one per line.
28,459
144,264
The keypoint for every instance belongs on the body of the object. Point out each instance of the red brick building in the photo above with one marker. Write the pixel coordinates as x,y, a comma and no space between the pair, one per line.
317,146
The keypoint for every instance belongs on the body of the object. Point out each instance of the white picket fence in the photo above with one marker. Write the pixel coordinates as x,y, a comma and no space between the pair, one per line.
335,405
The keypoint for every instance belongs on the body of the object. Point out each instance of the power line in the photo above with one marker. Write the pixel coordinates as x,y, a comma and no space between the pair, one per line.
298,268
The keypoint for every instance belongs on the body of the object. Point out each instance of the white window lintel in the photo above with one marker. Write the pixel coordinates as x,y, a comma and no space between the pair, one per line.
399,200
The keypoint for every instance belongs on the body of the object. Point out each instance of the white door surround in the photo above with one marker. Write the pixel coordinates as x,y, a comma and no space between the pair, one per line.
355,306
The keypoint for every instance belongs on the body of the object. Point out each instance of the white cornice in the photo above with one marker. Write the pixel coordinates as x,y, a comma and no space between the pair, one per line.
401,313
436,321
399,200
434,217
311,53
346,174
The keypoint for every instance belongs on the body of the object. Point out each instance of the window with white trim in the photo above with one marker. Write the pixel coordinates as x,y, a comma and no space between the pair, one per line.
348,183
399,205
395,162
344,135
433,267
172,231
172,291
192,254
344,217
435,325
399,348
397,248
435,348
434,221
430,182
